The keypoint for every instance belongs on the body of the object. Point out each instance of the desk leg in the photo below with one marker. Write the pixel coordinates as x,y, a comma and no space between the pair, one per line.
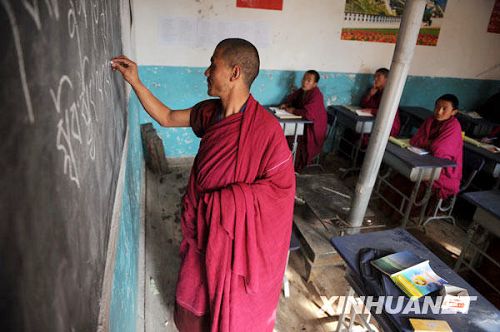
425,200
470,234
341,322
413,198
333,132
358,146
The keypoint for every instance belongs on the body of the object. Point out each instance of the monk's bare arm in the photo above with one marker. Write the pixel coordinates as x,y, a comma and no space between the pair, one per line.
155,108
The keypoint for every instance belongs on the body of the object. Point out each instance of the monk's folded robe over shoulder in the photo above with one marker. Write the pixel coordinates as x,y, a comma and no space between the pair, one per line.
237,218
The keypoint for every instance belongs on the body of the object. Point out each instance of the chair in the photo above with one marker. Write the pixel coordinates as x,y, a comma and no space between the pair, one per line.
472,165
294,245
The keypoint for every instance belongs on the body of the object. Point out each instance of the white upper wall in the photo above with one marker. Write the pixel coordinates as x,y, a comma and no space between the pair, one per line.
306,34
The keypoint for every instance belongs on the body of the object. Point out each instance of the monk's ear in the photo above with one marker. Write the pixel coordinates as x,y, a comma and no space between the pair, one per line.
236,73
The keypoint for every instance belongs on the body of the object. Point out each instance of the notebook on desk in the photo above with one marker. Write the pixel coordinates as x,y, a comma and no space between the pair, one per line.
282,114
359,110
490,147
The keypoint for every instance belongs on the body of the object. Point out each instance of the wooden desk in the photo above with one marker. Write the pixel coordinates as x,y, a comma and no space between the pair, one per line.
412,117
487,216
415,167
292,127
475,127
482,315
340,118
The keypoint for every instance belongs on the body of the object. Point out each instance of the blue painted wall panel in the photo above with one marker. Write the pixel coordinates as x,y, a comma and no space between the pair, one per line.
123,312
182,87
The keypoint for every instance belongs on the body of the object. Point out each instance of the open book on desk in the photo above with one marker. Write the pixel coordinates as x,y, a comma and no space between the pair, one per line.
359,110
490,147
282,114
410,273
404,143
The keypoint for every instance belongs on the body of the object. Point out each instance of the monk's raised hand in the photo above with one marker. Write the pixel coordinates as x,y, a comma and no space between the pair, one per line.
127,68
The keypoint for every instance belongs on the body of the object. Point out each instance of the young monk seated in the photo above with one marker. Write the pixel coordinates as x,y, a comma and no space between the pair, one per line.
308,103
371,101
441,135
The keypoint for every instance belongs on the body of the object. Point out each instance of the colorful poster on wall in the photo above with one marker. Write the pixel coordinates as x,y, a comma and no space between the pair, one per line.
494,25
260,4
379,20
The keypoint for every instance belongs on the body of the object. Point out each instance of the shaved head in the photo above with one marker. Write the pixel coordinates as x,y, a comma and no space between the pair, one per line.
237,51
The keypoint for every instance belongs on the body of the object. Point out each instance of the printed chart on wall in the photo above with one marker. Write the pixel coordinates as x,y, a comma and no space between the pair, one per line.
379,20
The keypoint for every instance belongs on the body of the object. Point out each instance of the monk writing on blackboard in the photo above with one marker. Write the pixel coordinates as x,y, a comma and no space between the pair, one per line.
238,208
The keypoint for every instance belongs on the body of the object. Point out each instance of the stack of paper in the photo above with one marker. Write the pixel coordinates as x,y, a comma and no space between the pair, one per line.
489,147
418,151
282,114
364,112
352,108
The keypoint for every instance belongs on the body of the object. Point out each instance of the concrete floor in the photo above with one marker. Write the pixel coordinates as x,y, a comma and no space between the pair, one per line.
309,306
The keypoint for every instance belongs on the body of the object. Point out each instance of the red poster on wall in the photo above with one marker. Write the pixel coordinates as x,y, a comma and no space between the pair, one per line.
261,4
494,25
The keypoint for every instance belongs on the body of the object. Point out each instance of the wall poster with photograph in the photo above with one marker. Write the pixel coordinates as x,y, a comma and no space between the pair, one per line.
379,20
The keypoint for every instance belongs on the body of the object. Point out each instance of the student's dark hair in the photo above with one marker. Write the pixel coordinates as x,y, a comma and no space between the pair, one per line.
237,51
315,73
383,71
451,98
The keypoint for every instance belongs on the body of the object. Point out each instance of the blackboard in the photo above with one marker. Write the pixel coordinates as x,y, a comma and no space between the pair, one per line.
63,126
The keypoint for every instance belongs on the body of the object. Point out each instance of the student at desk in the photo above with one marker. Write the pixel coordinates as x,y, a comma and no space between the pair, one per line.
371,100
441,135
308,103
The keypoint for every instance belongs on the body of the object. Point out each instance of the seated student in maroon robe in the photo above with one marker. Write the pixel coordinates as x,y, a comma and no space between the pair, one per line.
238,208
308,102
441,135
371,100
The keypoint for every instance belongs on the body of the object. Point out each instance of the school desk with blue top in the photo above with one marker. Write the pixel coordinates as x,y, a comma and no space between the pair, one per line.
482,315
492,161
487,217
474,125
412,117
341,117
415,167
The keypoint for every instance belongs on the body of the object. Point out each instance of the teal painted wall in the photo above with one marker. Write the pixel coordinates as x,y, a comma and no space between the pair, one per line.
123,312
182,87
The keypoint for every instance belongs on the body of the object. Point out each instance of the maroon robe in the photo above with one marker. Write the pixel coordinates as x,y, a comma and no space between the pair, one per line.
310,106
373,103
444,140
237,220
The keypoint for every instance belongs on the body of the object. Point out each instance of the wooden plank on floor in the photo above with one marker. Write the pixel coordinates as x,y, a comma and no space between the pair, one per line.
314,237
